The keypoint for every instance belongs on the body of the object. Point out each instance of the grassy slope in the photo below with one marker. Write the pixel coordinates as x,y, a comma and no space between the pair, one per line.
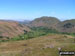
42,46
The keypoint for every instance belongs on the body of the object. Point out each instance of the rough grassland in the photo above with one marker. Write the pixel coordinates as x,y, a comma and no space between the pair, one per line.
41,46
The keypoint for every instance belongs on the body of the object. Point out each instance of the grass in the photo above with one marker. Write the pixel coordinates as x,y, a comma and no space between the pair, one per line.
39,42
38,46
36,32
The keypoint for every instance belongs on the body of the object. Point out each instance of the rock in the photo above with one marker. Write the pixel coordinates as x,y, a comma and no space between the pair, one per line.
24,44
48,46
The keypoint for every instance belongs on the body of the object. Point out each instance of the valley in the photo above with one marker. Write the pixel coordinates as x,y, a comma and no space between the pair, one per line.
40,37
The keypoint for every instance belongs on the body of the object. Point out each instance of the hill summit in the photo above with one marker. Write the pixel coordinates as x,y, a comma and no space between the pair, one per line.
53,23
44,21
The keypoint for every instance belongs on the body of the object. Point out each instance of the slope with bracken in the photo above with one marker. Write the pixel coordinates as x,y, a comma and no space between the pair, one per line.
12,28
53,23
44,21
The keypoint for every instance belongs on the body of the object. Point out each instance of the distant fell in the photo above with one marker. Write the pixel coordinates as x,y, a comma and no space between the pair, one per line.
67,26
54,23
44,21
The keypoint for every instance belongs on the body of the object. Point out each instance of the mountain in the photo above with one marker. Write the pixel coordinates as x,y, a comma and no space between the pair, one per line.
24,22
9,28
12,28
44,21
53,23
67,26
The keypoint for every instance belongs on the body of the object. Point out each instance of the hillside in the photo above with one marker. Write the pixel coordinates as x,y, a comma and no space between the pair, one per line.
53,23
67,26
41,39
11,28
44,21
40,46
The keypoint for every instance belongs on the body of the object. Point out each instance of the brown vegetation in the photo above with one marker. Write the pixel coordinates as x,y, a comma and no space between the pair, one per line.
12,28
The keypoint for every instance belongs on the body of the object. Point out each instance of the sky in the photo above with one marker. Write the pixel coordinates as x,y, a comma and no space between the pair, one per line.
31,9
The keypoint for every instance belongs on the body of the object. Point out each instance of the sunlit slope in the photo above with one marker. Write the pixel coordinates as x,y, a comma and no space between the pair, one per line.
49,22
42,46
54,23
12,28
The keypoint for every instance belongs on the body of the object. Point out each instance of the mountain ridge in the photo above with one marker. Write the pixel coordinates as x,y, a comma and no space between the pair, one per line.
54,23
